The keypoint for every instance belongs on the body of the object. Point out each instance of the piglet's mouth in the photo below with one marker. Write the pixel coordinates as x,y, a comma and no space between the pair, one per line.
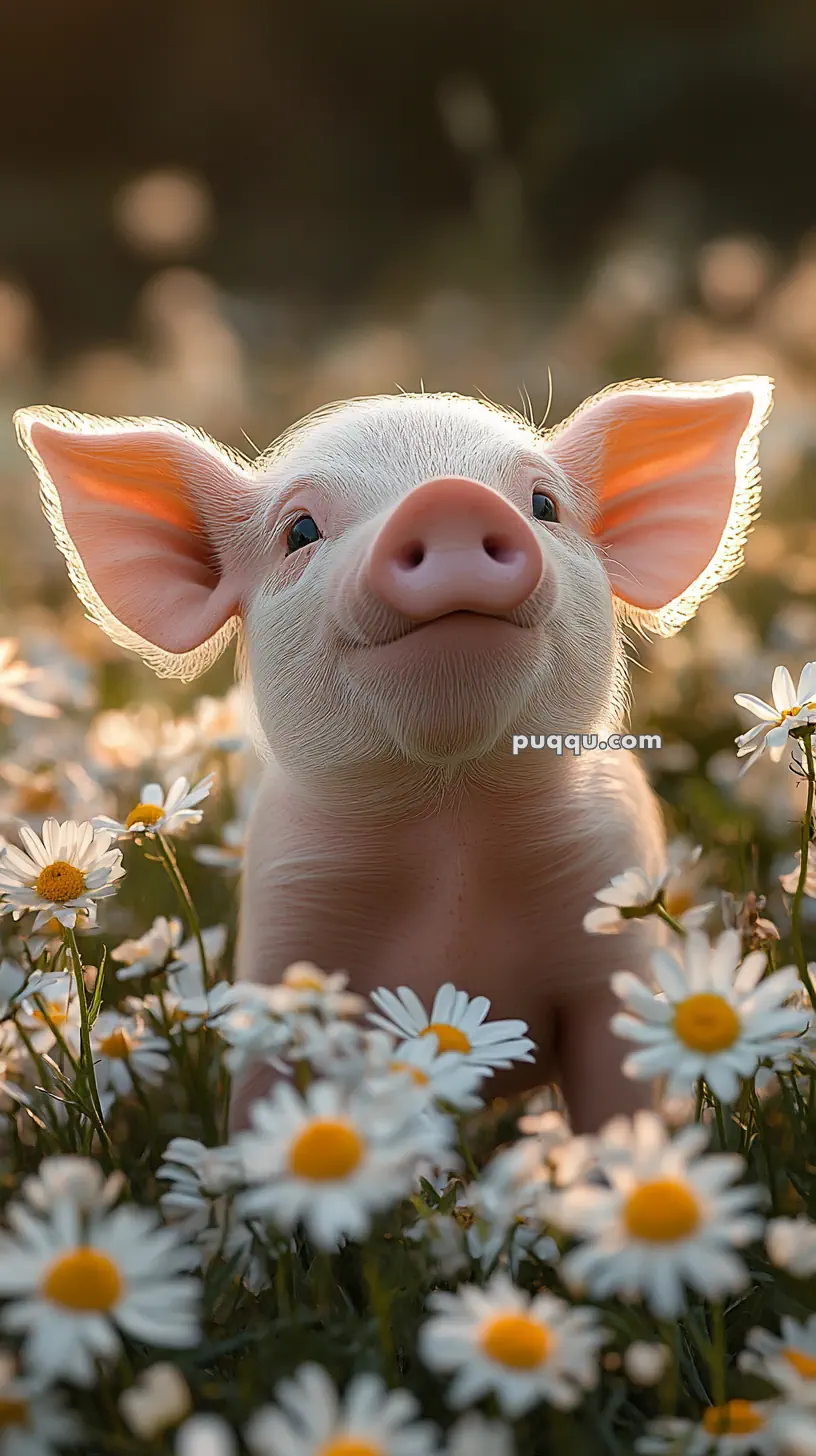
463,628
465,616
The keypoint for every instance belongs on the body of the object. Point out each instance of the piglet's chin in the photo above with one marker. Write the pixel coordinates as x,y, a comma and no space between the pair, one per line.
449,689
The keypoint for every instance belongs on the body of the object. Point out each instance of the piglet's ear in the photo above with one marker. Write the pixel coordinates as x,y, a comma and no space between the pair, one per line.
673,479
146,514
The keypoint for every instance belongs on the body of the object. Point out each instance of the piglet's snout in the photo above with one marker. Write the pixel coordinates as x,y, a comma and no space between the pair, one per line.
454,545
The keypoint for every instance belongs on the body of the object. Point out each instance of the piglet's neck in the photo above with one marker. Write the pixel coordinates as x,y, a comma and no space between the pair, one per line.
388,790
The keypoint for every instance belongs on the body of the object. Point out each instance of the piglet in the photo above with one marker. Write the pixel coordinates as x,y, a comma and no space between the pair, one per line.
419,579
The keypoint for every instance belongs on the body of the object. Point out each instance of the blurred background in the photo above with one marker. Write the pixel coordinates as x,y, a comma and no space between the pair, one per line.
232,211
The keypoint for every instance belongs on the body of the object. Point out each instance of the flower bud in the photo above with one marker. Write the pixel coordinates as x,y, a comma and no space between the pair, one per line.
644,1363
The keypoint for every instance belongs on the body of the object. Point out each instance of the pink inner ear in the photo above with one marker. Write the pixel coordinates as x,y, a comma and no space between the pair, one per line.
663,469
135,504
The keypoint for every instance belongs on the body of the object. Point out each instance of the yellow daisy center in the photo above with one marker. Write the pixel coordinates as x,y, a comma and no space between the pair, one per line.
59,882
735,1418
144,814
86,1280
350,1446
415,1073
450,1038
56,1011
661,1211
299,978
706,1023
116,1046
325,1150
13,1413
515,1340
804,1365
38,798
678,902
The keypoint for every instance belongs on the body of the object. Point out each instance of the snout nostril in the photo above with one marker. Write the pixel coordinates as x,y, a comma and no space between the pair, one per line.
499,549
411,555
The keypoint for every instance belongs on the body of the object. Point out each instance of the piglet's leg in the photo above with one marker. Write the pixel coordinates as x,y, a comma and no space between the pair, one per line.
589,1062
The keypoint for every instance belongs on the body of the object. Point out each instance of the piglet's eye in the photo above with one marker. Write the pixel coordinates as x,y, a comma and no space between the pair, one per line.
302,532
544,507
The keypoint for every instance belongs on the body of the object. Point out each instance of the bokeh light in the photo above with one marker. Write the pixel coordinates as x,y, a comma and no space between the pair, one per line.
165,213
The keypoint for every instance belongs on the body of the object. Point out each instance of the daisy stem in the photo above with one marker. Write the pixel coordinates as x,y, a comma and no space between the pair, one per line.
321,1270
225,1087
718,1113
718,1354
796,906
464,1148
669,1391
85,1036
760,1123
282,1286
380,1305
186,899
669,919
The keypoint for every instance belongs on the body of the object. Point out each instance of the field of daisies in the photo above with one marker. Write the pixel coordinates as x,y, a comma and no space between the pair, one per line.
383,1263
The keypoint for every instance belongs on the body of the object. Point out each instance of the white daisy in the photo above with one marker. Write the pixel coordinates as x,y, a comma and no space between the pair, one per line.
80,1180
666,1218
158,1398
793,706
229,854
15,1067
794,1429
443,1236
184,973
790,881
303,987
205,1436
150,952
34,1421
158,812
473,1435
634,895
448,1076
312,1419
50,938
243,1016
739,1428
504,1201
62,874
196,1174
787,1361
185,1000
77,1277
687,883
457,1022
332,1158
342,1050
712,1017
12,980
122,1047
791,1245
14,675
646,1362
566,1157
502,1341
199,1205
222,722
50,1000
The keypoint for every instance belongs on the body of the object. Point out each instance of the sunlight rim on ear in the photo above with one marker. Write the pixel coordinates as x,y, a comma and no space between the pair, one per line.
184,666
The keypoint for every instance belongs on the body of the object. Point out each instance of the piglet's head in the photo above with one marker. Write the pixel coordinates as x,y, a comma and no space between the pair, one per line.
418,575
